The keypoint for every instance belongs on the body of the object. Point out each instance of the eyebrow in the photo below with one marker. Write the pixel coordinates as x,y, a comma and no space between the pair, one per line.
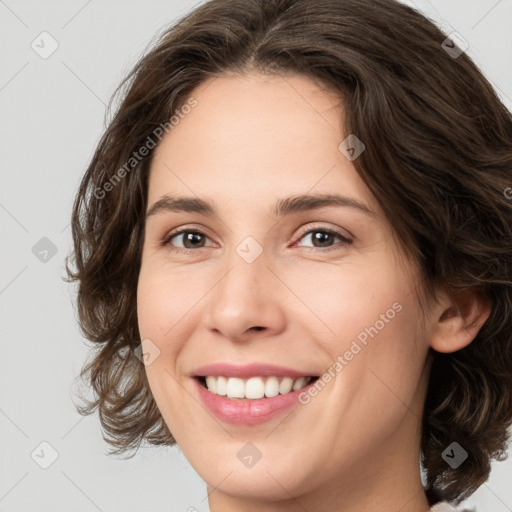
284,206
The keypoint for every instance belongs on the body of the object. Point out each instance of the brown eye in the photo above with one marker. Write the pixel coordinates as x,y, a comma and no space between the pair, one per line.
323,237
191,240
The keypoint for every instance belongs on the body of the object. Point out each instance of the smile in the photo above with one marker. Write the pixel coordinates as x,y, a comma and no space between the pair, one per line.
250,394
254,387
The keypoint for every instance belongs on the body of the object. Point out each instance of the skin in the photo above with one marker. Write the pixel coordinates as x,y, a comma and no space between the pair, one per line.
251,140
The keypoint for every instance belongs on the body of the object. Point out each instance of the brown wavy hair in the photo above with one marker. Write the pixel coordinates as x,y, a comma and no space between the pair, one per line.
438,159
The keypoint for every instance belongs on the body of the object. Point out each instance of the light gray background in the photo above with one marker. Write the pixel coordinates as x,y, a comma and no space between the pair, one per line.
52,114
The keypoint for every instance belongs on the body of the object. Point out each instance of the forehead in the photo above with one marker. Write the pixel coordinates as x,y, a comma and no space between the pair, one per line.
256,138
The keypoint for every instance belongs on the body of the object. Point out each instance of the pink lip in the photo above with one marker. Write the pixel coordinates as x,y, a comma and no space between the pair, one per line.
247,411
248,370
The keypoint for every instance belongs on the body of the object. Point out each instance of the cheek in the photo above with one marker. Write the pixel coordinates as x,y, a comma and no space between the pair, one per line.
376,323
156,315
163,300
166,315
347,300
394,363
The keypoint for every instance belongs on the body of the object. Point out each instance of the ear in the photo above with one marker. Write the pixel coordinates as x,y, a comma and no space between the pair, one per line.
459,318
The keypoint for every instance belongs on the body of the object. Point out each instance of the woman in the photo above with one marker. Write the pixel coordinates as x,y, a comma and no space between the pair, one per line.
294,250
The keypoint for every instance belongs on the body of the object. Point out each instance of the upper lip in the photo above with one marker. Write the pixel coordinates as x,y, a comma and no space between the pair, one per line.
247,370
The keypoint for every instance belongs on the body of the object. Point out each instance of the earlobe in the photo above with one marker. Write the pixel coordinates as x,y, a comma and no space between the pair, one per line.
459,319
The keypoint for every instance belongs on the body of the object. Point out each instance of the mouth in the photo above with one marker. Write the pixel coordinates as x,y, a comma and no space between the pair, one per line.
253,388
248,394
250,401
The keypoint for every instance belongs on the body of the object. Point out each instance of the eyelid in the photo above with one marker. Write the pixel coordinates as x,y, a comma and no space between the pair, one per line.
169,236
342,233
345,240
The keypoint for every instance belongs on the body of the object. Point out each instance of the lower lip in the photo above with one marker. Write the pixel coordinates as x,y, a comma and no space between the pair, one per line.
248,411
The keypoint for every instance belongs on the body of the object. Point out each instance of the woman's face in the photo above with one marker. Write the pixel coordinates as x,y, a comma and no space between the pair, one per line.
271,290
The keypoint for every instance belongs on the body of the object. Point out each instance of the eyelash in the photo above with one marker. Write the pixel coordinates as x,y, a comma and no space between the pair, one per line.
166,241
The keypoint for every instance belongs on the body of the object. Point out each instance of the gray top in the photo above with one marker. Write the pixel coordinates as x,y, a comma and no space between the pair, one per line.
445,506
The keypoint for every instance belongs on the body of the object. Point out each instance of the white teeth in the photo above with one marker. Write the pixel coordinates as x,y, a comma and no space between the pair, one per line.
271,387
211,383
299,383
286,385
221,385
254,387
235,388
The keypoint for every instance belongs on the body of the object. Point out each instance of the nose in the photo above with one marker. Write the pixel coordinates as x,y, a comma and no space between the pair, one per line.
248,300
